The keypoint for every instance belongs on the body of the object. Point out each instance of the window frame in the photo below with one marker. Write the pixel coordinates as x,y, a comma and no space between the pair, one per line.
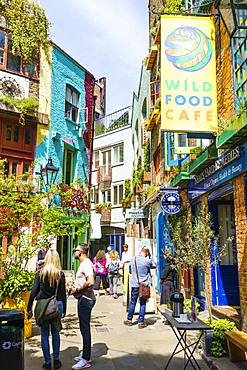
239,52
117,202
7,51
71,105
118,161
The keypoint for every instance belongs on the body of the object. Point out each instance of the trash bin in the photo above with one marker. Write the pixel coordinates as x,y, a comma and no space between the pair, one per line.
11,339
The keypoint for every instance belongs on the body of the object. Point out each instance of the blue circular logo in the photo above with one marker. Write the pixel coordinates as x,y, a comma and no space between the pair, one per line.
171,203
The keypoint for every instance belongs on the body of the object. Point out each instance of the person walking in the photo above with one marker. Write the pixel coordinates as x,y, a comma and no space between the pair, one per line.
101,271
167,279
140,273
107,255
83,291
49,282
126,256
113,266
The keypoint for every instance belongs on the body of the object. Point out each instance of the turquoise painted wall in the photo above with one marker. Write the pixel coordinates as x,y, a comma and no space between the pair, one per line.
64,71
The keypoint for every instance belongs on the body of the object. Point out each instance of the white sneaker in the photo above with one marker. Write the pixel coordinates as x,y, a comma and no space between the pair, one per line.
82,364
78,358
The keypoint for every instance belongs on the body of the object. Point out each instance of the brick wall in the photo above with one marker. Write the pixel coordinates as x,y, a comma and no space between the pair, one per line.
224,78
241,235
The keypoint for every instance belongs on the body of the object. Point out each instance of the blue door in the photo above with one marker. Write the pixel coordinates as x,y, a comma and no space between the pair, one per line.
163,238
224,273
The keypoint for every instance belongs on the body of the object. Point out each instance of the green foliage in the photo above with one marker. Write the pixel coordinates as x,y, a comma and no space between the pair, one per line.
28,224
24,106
29,27
219,345
146,164
12,286
187,306
173,6
158,104
153,31
102,206
99,129
126,201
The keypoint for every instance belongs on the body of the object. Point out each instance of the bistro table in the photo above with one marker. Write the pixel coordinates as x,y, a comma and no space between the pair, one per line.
180,331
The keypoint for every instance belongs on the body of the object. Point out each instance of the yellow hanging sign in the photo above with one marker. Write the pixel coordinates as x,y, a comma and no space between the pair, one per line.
188,74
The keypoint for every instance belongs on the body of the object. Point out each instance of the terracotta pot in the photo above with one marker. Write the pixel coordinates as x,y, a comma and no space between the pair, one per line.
147,177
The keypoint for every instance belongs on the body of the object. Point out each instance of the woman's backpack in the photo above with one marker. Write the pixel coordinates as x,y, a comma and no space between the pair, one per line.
113,268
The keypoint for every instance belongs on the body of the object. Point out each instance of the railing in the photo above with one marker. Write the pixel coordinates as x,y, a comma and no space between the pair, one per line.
113,121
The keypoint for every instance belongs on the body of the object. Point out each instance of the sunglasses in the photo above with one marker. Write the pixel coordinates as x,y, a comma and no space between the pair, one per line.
76,250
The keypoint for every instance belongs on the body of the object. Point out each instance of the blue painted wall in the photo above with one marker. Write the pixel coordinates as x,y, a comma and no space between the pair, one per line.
64,71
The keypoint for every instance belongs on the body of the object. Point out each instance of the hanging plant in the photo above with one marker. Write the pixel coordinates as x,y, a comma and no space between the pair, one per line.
24,106
28,25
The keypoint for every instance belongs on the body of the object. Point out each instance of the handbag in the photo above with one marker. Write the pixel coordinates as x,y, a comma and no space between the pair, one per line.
51,311
144,290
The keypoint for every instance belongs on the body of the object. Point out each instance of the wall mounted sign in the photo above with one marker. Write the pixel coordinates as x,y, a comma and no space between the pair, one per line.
171,203
188,74
135,213
225,168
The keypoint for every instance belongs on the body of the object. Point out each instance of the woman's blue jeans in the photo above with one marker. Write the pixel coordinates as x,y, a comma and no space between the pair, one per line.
133,300
45,331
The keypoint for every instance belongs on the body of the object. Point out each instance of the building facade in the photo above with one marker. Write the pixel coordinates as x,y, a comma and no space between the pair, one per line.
69,91
112,165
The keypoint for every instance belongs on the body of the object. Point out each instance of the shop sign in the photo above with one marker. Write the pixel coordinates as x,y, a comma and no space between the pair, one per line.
228,166
171,203
135,213
188,74
220,163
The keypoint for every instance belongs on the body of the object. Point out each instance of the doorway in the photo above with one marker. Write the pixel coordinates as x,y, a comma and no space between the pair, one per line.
224,271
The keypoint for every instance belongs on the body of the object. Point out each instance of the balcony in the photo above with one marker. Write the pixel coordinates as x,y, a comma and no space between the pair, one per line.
113,121
203,160
152,56
104,177
234,133
153,120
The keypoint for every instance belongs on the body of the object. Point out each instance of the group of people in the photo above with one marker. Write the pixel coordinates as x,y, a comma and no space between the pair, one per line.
50,282
107,269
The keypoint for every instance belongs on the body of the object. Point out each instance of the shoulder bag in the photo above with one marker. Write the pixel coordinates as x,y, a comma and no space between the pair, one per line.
51,311
144,290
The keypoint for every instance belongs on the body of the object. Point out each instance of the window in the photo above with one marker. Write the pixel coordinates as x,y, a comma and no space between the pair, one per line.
96,159
154,93
27,135
72,104
240,70
106,196
118,154
106,161
13,62
96,195
117,194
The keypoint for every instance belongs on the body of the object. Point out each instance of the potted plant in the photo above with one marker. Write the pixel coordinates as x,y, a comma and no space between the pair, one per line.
214,342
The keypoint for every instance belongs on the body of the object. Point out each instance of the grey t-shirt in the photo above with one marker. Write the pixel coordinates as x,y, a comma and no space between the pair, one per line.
144,265
85,269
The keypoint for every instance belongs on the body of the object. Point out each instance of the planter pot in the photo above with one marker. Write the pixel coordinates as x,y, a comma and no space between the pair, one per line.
11,303
139,190
133,198
207,342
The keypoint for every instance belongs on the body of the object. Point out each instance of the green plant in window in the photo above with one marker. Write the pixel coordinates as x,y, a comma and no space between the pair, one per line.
126,201
28,25
25,106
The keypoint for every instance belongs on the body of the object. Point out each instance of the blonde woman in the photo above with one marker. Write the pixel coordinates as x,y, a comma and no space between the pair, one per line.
47,281
113,265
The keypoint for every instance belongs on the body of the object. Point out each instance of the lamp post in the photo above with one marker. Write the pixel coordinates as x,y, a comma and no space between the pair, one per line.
48,173
234,15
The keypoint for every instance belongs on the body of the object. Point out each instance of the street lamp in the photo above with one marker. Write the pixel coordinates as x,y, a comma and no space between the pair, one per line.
234,15
48,173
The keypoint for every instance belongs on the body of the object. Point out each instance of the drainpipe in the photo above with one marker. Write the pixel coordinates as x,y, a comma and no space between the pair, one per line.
90,169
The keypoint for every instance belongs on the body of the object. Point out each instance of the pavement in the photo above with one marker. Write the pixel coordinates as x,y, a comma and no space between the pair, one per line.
114,345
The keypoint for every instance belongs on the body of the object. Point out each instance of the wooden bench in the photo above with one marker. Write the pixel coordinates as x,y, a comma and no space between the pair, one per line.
237,345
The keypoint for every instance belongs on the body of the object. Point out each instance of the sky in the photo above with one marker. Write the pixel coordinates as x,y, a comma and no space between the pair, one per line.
107,37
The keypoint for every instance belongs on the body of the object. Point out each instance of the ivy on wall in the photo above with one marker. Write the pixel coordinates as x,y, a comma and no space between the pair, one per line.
28,25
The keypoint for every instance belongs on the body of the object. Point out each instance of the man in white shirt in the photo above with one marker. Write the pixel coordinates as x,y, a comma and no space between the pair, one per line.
83,291
126,256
